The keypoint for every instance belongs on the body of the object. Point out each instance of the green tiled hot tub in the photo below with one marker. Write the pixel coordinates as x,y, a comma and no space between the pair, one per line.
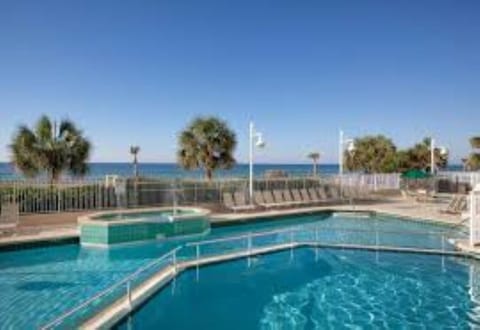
109,228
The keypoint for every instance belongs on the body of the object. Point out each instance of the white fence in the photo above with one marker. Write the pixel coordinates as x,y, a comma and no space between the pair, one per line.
474,214
472,178
373,182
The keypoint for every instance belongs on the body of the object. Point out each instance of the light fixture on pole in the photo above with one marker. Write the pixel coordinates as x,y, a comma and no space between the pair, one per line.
442,150
350,146
255,140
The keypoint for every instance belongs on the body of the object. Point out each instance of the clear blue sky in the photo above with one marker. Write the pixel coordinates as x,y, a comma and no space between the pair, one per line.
134,72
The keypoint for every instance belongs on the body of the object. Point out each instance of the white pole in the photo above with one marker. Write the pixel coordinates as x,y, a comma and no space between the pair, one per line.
340,153
472,220
432,156
250,144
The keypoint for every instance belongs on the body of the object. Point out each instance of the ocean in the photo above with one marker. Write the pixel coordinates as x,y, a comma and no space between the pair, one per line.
172,170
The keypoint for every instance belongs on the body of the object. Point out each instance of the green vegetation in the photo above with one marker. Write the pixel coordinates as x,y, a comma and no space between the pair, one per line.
314,156
372,154
207,143
50,149
419,157
378,154
473,160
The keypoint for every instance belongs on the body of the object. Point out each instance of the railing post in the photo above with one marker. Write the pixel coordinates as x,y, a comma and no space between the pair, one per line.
198,265
443,255
129,295
376,238
175,261
249,249
291,244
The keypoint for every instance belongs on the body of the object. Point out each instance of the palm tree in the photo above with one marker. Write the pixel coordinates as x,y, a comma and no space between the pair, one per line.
473,162
51,149
134,150
207,143
314,156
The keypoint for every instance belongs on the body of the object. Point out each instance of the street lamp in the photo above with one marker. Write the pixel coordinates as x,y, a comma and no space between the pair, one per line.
443,151
350,146
256,140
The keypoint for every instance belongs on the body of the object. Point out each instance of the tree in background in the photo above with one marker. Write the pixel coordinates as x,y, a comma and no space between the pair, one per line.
134,150
419,157
51,149
207,143
314,156
473,161
372,154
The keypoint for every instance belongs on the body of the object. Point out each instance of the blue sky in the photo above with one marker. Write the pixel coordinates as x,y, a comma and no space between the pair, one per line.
135,72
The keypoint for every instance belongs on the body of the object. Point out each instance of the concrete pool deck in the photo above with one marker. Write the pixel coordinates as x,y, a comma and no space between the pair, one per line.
55,226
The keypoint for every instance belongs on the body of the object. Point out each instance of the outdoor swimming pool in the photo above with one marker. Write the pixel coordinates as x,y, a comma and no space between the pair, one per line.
335,289
39,284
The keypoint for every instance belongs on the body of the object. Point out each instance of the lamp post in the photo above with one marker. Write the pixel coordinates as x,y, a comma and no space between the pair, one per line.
342,142
443,152
255,140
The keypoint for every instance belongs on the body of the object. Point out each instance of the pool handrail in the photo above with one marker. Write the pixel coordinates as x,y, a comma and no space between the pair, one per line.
249,236
57,321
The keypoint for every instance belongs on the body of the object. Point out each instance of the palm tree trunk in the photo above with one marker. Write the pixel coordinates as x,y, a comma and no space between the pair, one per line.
135,166
208,174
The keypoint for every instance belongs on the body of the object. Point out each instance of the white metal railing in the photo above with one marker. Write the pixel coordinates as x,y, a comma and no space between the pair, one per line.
472,178
123,286
474,215
40,196
246,245
374,182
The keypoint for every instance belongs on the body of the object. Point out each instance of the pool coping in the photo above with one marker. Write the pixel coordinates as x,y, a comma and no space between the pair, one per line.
90,218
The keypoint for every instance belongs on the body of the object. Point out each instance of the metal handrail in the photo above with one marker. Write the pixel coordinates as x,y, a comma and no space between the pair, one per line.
301,228
249,236
111,288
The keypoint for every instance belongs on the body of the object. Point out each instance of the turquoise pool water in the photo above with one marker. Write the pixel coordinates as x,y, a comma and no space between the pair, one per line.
39,284
337,289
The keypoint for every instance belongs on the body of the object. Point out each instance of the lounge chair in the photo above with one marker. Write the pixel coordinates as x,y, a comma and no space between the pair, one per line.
334,194
258,198
456,205
236,203
9,216
306,196
348,193
280,198
269,200
298,198
241,202
287,195
322,194
314,196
